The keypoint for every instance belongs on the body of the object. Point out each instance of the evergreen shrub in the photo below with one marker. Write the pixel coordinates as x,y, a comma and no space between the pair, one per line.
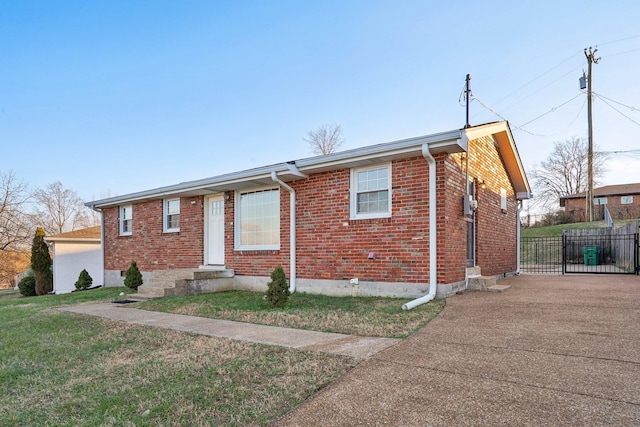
278,291
133,277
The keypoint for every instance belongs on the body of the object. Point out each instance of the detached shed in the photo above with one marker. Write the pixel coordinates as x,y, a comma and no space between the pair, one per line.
72,252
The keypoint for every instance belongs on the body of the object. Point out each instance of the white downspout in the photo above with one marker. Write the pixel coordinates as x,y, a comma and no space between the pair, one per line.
518,237
292,230
93,208
433,277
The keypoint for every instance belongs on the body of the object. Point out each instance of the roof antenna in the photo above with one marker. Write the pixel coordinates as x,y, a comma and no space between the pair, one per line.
467,98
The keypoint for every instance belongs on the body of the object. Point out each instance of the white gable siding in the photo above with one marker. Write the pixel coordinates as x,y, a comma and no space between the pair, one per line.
70,258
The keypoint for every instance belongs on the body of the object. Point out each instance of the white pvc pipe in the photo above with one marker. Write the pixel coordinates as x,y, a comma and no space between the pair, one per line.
99,210
518,238
433,277
292,230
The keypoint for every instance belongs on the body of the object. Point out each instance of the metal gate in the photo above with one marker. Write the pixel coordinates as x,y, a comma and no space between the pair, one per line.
590,251
600,254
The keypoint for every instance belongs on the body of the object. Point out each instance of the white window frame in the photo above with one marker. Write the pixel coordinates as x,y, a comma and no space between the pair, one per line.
626,200
503,200
123,217
166,226
355,191
600,201
238,221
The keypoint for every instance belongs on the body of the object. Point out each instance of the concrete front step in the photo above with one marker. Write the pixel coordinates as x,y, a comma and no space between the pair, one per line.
481,283
165,283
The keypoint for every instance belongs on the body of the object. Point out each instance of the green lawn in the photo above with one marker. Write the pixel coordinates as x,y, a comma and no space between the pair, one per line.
63,369
366,316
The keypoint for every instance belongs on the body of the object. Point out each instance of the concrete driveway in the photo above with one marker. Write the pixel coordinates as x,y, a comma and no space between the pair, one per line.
550,351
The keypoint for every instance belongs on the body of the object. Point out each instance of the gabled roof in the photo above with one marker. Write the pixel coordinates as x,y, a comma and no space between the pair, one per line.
608,191
85,234
506,145
454,141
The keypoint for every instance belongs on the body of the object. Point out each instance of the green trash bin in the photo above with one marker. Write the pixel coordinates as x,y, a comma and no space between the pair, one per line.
591,255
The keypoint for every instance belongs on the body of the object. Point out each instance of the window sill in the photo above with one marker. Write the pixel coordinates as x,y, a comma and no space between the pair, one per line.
365,217
378,220
256,248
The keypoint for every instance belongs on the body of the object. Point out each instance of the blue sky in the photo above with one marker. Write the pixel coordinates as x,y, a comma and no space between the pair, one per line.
122,96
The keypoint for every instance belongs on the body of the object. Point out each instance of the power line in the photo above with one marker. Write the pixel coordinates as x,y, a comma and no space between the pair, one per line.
551,110
521,127
622,53
537,78
570,57
619,40
619,152
634,154
616,102
505,119
543,87
616,110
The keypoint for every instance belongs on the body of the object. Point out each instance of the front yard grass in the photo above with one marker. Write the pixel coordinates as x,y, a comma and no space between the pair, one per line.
63,369
365,316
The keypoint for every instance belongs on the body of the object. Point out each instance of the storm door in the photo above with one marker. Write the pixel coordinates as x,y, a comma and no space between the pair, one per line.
215,231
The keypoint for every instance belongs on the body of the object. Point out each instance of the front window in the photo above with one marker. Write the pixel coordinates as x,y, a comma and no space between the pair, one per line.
258,219
626,200
172,215
371,192
126,220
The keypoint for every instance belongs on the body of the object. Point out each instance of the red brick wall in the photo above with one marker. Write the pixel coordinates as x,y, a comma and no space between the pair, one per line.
452,227
496,251
574,210
331,246
148,245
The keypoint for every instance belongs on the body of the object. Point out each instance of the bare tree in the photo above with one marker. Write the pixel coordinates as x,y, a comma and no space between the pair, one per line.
565,172
326,139
15,226
59,209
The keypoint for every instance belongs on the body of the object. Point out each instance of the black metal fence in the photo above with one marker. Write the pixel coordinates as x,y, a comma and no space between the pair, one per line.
596,251
541,255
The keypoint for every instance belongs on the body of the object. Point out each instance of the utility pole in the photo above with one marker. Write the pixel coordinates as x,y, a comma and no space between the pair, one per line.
467,95
591,59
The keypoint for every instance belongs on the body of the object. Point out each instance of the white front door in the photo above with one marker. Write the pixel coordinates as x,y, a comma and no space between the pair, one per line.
215,231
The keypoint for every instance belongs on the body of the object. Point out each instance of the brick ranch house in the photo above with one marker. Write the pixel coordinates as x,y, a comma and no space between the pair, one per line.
396,219
622,201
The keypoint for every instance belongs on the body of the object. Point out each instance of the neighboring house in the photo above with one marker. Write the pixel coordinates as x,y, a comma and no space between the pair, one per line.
73,252
623,202
391,215
10,263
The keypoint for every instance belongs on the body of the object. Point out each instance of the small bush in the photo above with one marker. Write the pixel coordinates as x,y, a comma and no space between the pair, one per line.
84,280
133,277
27,286
278,292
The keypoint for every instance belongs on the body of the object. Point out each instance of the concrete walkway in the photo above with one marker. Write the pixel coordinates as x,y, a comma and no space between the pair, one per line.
550,351
348,345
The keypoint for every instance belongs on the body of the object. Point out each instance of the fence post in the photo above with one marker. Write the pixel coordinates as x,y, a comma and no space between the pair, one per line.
564,253
636,254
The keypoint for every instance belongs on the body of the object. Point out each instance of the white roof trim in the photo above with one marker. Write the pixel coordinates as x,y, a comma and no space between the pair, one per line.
445,142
